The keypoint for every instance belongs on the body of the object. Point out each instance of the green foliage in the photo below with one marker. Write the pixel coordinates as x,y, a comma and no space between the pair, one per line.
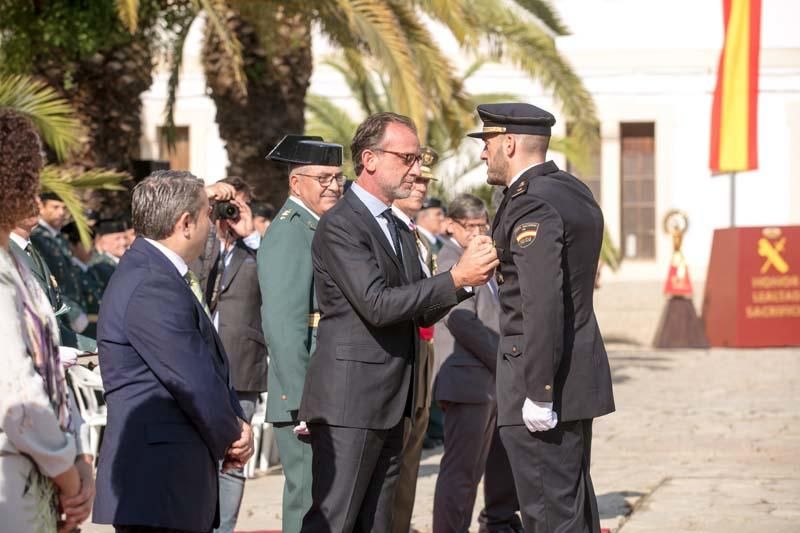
53,117
63,29
66,181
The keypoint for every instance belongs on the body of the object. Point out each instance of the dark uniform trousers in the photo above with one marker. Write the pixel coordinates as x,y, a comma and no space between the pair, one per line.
500,502
349,454
414,435
550,463
468,457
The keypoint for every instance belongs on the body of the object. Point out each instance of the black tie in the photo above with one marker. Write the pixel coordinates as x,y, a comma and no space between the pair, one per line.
395,232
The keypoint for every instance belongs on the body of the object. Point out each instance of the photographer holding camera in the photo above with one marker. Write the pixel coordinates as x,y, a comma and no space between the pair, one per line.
228,275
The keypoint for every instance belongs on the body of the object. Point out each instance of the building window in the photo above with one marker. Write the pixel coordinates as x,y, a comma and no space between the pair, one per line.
179,157
637,173
591,174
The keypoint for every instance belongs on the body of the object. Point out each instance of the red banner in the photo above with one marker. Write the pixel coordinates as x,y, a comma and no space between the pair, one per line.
752,295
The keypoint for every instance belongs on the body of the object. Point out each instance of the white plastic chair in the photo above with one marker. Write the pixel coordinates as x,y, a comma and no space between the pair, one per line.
262,438
88,389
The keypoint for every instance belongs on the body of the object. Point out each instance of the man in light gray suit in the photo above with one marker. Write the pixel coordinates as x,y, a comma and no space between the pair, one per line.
466,358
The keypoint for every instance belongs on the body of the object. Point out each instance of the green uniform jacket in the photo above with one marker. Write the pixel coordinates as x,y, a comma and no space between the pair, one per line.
47,282
55,252
102,267
289,307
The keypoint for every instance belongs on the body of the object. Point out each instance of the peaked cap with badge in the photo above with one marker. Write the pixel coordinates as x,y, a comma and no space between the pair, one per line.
428,158
517,118
548,231
290,316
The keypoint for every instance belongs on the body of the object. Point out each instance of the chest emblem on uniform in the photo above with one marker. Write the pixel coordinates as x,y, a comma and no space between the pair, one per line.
525,233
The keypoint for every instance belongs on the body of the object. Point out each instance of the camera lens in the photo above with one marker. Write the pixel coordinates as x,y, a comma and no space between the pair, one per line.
226,210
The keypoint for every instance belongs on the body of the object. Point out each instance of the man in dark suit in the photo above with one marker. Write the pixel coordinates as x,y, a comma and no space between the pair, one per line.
229,277
173,414
466,358
553,376
372,298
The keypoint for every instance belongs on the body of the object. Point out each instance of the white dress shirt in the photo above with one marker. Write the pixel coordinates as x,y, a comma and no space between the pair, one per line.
19,241
521,172
175,259
376,208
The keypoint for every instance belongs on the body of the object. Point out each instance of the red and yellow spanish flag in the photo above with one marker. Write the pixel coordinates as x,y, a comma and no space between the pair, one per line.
734,116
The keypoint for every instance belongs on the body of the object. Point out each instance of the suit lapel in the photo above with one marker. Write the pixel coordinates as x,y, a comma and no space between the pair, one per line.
372,224
237,258
148,249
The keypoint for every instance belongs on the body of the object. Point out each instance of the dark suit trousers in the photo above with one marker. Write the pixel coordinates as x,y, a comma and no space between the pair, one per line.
499,493
415,430
355,472
468,429
551,472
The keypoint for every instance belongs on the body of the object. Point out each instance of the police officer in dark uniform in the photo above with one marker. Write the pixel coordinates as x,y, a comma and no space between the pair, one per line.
553,376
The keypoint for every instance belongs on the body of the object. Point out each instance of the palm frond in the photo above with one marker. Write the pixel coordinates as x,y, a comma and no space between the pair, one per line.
451,13
175,64
332,123
65,182
573,149
545,13
531,49
609,253
52,115
218,17
446,90
473,68
372,26
128,12
359,79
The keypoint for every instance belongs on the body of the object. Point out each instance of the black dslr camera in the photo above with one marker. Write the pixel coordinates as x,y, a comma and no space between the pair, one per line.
225,211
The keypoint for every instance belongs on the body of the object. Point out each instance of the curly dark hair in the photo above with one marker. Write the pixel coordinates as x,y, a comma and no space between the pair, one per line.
20,164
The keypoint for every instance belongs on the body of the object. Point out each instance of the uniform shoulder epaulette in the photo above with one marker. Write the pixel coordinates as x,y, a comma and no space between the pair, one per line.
521,188
286,213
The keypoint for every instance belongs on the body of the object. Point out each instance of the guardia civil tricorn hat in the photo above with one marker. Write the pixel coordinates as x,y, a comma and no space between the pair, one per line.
306,150
518,118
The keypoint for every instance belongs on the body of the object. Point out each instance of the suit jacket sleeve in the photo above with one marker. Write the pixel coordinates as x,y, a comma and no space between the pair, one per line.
347,256
285,255
169,340
466,327
541,286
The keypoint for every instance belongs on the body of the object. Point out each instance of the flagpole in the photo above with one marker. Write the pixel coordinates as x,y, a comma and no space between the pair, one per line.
733,199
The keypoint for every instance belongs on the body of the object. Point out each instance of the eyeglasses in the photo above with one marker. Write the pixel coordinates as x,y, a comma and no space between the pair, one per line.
480,228
408,158
325,180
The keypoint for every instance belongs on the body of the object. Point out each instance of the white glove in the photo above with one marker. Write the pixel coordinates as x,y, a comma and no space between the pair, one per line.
538,416
68,356
301,429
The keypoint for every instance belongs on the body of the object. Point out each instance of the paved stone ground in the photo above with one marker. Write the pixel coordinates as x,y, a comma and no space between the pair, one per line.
701,441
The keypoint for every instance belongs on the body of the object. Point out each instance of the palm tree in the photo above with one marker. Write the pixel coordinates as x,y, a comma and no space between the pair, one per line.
389,33
60,129
101,57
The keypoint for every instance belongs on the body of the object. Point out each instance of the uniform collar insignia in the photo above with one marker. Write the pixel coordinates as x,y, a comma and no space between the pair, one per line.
522,187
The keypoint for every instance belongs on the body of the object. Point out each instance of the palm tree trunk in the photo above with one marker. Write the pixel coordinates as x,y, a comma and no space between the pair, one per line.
276,48
106,90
